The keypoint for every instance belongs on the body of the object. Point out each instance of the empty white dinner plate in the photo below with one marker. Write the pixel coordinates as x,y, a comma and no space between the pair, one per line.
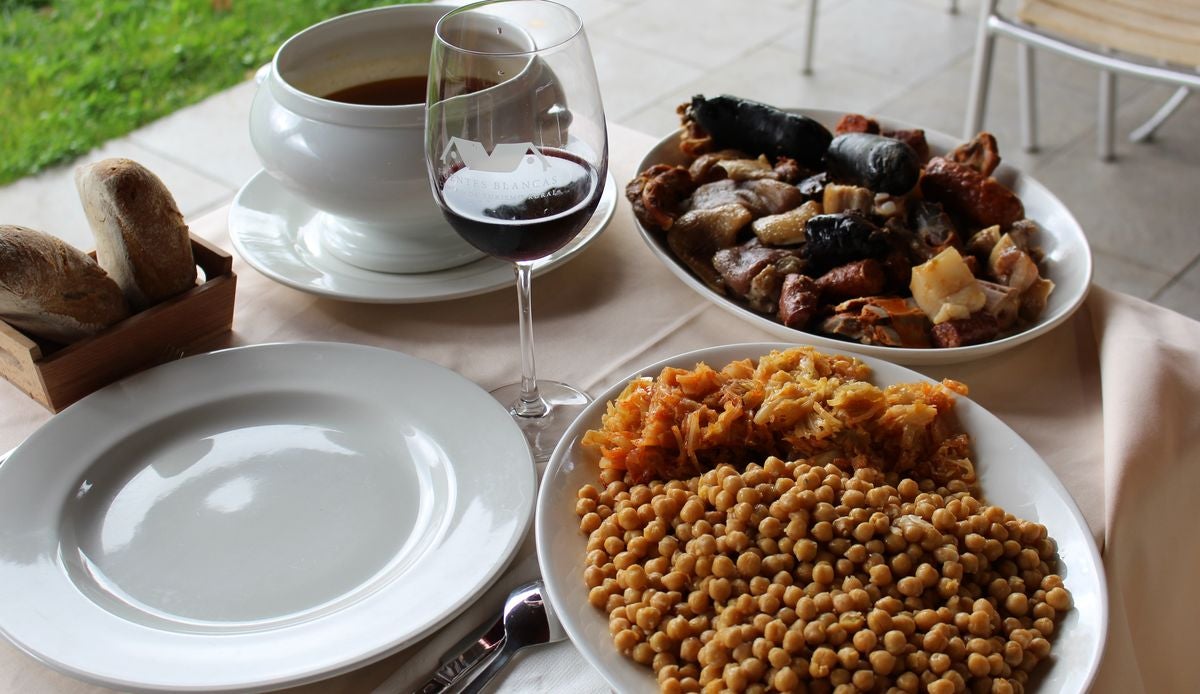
1067,259
280,236
1011,475
257,517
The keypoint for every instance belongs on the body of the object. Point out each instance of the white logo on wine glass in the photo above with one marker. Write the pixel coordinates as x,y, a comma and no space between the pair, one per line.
504,157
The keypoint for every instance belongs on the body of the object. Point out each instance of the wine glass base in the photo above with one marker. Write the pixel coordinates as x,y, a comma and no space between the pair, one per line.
543,433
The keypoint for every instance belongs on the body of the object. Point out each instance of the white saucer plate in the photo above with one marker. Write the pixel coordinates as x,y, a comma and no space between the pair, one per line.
1067,259
280,236
1011,475
257,517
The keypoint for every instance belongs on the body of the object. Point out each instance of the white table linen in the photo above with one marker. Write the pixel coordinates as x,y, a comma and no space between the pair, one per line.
1108,399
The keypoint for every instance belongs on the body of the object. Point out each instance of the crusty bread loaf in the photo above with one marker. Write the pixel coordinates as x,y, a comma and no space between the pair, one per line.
52,290
141,239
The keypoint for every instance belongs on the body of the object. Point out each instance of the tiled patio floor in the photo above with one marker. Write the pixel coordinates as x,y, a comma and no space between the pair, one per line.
906,59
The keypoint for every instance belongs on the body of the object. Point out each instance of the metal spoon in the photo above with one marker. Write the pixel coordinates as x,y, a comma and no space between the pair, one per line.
528,621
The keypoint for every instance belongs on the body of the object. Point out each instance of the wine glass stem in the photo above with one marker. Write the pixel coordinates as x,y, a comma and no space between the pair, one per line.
530,404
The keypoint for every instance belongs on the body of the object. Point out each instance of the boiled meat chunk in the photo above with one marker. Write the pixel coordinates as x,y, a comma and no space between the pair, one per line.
697,235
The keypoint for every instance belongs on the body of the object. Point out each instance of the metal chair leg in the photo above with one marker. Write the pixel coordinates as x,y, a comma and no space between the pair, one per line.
1027,84
810,37
1146,130
1105,123
953,9
981,72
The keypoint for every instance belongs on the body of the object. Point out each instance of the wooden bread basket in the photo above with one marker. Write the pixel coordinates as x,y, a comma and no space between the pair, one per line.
194,321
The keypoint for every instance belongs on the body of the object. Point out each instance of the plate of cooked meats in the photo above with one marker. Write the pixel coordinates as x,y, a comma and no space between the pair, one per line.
853,232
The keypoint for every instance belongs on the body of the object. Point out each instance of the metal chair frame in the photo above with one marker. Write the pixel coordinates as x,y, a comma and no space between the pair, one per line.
1110,64
810,32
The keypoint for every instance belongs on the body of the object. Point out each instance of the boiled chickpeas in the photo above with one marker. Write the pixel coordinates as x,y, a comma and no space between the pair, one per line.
785,576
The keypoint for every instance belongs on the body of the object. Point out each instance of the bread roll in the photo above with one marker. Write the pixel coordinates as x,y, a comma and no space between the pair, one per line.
52,290
141,240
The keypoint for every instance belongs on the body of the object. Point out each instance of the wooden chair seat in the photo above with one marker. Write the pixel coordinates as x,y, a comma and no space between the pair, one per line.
1156,40
1160,30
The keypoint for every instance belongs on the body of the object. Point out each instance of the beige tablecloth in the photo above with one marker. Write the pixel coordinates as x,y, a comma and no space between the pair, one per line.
1107,399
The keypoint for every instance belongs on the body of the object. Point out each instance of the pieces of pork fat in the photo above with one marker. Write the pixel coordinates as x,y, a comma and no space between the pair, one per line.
762,197
980,154
1003,303
1033,301
697,235
739,265
765,289
776,196
705,169
787,228
876,320
933,229
748,169
1012,266
846,325
1022,234
725,192
658,193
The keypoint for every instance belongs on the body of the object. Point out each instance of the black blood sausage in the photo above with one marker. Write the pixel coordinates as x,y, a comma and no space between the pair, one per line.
879,163
835,239
758,128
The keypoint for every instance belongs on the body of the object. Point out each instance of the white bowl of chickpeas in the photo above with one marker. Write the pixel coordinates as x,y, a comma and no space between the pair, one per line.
807,574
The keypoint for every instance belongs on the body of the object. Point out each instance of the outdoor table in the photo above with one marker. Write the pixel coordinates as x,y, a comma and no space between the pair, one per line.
1107,399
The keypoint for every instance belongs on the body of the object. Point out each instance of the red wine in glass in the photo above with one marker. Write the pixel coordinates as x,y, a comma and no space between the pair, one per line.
517,151
527,213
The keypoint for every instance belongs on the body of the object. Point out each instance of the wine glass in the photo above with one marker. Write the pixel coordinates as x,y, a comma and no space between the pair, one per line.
517,152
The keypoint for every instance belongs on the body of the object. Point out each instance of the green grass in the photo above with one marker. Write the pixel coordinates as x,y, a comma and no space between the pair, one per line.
77,73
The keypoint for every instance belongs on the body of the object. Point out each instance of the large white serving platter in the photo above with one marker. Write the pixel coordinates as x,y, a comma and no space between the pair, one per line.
1011,475
280,236
1067,262
257,517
